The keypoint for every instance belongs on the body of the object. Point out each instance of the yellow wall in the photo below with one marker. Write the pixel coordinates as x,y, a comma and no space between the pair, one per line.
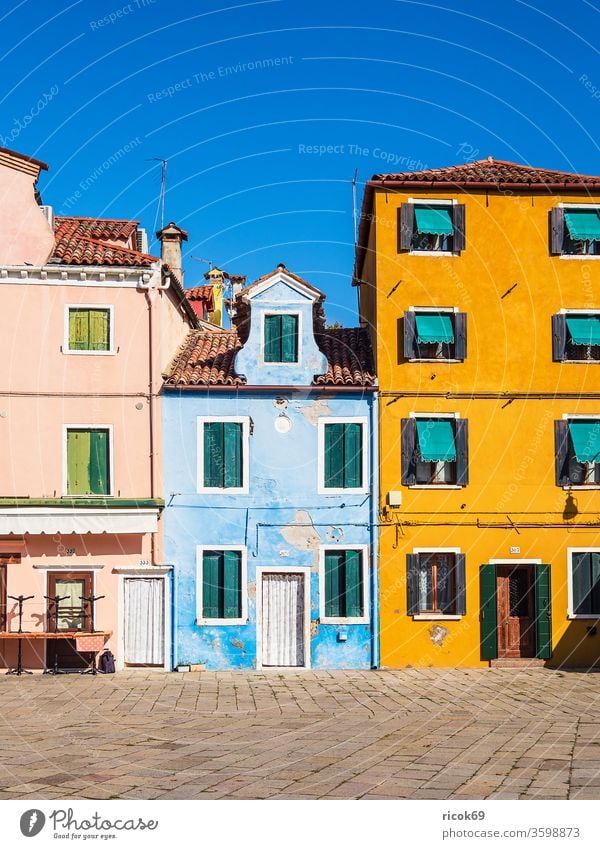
511,446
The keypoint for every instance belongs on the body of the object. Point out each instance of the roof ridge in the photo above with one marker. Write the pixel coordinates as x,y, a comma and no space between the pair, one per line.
121,248
89,218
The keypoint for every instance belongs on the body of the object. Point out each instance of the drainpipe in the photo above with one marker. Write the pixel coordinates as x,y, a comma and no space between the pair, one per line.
374,525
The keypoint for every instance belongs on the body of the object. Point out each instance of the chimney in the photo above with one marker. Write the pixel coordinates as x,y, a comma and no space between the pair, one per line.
26,234
171,238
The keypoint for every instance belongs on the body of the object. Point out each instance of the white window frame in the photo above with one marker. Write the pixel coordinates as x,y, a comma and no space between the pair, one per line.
200,619
433,202
434,486
111,458
566,312
570,552
581,487
434,617
111,329
268,312
232,490
592,257
321,488
345,620
448,311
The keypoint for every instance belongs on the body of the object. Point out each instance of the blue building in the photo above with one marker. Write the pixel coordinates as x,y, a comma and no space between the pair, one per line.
270,480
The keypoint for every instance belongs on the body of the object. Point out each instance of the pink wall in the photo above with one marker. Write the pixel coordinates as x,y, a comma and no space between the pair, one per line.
26,234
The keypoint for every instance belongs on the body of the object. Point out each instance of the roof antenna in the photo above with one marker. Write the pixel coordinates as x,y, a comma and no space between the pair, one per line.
163,189
354,205
209,262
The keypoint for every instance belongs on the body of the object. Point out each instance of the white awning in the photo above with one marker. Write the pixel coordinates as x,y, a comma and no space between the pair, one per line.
50,520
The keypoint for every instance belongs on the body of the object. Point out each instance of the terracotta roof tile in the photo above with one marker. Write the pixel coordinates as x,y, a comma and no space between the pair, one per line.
490,171
207,359
97,241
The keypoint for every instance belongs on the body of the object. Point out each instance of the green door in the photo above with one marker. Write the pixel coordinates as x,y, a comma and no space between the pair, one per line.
488,614
543,620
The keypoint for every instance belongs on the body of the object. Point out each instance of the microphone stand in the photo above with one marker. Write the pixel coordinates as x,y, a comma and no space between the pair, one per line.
18,670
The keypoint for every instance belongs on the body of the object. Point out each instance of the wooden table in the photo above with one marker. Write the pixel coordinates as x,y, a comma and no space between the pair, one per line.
52,635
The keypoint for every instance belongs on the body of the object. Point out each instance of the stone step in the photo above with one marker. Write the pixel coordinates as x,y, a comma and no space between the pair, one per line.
517,663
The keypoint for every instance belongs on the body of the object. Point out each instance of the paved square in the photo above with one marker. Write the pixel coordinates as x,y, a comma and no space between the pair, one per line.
409,734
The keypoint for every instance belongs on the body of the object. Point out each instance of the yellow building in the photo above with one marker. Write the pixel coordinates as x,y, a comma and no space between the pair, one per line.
481,285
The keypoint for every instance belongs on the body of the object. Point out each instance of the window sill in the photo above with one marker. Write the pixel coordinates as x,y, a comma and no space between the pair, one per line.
334,620
580,487
435,486
202,622
323,491
579,256
581,362
436,617
89,353
222,491
434,253
437,360
587,616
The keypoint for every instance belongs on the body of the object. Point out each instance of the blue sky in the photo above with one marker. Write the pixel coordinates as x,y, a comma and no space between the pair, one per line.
265,109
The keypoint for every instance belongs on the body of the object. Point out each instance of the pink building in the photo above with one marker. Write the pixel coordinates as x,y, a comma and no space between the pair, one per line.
88,323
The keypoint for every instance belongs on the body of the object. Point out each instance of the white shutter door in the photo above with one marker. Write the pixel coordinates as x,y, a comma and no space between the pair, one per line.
144,625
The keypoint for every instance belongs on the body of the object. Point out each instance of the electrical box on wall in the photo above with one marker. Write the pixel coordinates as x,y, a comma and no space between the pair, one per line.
394,499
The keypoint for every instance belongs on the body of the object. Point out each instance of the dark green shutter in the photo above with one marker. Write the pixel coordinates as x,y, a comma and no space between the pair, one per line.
458,222
582,587
232,442
406,226
408,452
557,230
99,462
410,352
595,581
333,588
354,584
210,584
559,337
561,452
460,336
213,454
334,456
543,628
232,587
412,584
272,353
462,452
488,612
460,585
289,338
352,455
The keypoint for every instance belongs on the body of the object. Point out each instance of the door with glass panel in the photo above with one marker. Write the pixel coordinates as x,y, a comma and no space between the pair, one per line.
282,626
74,614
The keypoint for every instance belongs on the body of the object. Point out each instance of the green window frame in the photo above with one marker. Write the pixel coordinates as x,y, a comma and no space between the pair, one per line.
344,590
89,329
343,463
223,454
221,582
88,461
281,338
585,583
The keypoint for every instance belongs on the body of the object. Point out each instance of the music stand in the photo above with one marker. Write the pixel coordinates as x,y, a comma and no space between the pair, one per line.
56,600
93,669
18,670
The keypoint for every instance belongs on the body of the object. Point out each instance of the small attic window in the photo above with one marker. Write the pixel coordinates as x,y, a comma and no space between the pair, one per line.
281,338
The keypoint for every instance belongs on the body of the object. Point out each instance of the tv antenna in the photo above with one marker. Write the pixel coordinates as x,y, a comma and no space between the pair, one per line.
354,205
163,188
208,262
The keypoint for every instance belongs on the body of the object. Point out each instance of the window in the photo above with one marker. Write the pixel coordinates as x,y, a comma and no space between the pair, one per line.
585,583
575,231
431,227
223,454
576,337
435,451
221,585
577,450
74,613
89,329
436,583
344,590
433,335
88,461
342,455
281,339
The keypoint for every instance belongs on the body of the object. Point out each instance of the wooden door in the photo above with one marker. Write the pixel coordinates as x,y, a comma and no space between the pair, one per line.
516,631
283,620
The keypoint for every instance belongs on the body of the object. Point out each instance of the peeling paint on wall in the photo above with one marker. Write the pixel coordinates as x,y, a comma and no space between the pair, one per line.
302,533
437,634
314,409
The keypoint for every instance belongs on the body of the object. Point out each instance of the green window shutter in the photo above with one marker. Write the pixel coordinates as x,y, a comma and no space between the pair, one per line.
488,612
543,627
582,584
289,338
232,585
334,456
211,568
352,455
99,462
272,352
99,330
78,330
595,582
213,454
333,583
412,584
354,593
460,585
232,451
78,462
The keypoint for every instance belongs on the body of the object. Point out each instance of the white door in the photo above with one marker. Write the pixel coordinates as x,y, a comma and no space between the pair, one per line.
144,625
282,619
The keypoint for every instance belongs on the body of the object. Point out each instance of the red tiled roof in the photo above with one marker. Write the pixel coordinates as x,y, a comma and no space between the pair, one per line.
490,172
201,293
97,241
207,359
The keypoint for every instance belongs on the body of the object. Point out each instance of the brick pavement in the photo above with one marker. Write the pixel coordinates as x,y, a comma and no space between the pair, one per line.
407,734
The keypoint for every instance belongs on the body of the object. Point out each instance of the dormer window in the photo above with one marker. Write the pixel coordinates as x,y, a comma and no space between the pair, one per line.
281,338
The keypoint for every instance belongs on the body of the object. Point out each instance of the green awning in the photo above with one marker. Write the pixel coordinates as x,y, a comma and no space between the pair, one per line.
434,327
436,439
434,219
584,329
582,224
586,440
